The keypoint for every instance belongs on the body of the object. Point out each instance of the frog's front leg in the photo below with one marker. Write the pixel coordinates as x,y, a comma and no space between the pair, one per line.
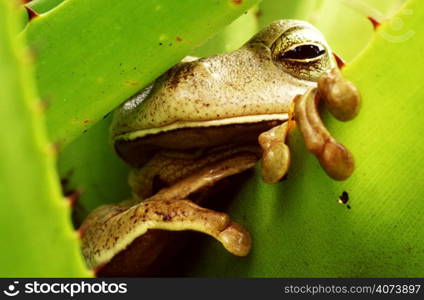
343,101
112,228
276,154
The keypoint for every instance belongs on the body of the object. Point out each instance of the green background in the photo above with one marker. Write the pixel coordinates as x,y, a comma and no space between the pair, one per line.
85,65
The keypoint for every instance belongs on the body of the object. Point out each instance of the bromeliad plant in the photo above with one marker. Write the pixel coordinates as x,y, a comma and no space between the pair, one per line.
37,237
89,56
84,67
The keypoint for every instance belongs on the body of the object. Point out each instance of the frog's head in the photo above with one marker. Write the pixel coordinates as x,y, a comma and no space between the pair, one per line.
297,47
255,84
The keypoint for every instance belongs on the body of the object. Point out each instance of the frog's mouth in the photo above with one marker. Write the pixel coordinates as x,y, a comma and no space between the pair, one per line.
253,119
137,147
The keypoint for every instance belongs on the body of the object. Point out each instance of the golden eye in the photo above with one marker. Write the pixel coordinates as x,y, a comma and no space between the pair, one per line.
304,52
301,52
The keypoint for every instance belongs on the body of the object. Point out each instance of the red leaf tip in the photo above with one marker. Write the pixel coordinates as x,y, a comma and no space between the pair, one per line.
340,62
375,23
73,197
31,13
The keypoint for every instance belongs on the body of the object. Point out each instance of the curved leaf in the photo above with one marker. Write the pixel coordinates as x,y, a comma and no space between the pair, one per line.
37,238
299,229
92,55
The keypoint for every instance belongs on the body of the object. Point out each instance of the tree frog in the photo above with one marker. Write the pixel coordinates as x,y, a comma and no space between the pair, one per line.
208,119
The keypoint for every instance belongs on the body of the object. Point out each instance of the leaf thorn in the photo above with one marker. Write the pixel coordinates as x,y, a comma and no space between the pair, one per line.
375,23
73,197
340,61
31,13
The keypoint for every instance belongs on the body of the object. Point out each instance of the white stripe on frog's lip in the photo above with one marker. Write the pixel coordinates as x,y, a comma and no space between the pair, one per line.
130,136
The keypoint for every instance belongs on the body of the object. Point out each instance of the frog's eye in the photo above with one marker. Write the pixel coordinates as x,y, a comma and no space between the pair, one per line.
303,52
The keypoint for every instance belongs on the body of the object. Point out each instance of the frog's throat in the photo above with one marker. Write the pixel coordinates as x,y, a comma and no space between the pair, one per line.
130,136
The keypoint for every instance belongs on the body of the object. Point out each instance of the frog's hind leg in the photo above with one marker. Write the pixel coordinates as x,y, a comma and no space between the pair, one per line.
117,229
343,101
112,228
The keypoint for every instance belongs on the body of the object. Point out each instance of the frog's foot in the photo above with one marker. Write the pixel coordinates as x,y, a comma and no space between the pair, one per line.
276,154
343,101
112,228
341,97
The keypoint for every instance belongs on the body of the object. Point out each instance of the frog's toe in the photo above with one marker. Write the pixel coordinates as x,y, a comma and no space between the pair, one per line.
341,97
276,154
235,239
112,228
335,159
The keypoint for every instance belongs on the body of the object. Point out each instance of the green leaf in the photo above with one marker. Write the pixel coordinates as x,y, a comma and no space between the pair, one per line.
271,10
92,55
42,6
37,236
299,229
345,23
233,36
90,166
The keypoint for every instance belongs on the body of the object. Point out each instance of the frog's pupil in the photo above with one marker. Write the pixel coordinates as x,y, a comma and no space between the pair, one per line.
304,52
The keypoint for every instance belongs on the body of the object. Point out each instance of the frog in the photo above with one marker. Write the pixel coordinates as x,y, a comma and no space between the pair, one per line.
206,120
